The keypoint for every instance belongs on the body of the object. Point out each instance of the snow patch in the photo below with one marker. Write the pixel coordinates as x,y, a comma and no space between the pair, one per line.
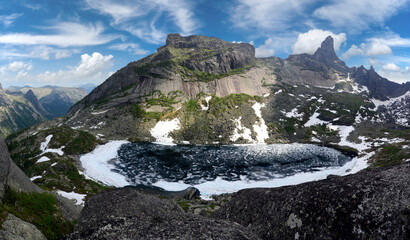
44,145
261,129
35,177
43,159
241,131
98,113
98,164
207,99
78,198
293,114
313,120
162,129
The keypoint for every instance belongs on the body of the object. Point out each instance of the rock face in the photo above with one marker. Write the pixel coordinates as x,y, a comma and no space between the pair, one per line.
222,56
11,176
373,204
379,87
14,228
126,214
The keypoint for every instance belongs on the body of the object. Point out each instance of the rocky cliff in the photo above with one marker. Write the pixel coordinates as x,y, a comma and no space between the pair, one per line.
127,214
373,204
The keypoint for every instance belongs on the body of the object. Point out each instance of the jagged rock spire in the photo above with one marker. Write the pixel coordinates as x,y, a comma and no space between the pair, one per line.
326,54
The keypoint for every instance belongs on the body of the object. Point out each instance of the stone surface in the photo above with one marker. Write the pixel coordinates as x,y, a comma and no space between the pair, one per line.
13,228
12,176
379,87
127,214
373,204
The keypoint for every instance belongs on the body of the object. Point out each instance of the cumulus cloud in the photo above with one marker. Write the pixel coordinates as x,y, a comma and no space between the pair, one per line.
358,15
377,46
395,73
67,34
91,68
391,67
16,66
125,13
310,41
265,50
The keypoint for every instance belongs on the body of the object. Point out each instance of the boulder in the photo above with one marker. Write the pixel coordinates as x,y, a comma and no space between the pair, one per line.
13,228
372,204
12,176
127,214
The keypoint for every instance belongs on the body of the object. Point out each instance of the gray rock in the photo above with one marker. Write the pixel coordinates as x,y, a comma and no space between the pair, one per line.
372,204
13,228
127,214
12,176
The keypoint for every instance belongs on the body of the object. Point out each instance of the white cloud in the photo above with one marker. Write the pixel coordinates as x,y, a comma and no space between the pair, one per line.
92,68
377,48
265,50
130,47
267,14
131,16
391,67
357,15
310,41
67,34
399,76
8,20
62,54
16,66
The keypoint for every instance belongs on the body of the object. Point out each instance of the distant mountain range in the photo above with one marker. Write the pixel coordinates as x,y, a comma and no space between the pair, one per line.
24,106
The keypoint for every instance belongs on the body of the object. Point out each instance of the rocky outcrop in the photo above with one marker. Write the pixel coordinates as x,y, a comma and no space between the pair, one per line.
127,214
379,87
326,54
373,204
11,176
217,56
13,228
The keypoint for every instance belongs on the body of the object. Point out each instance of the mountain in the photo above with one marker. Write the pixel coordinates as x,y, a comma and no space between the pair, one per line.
88,87
205,91
189,74
19,111
55,100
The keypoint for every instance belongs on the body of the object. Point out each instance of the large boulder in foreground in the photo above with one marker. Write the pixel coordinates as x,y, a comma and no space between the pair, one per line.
127,214
373,204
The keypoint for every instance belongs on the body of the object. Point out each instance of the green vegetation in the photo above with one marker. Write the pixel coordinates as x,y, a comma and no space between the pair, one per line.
39,209
184,205
74,142
390,155
200,76
191,105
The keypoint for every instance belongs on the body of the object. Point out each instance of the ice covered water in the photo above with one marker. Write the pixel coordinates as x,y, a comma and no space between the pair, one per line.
147,163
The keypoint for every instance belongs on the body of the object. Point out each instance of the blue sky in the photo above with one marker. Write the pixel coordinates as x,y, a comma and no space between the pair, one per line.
69,43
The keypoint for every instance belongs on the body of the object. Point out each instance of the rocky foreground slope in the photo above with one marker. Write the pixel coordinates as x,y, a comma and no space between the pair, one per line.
373,204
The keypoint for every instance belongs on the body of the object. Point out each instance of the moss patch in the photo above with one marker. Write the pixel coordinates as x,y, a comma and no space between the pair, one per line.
39,209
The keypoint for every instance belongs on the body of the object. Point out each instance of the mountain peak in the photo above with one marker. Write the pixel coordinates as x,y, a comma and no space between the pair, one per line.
326,54
326,51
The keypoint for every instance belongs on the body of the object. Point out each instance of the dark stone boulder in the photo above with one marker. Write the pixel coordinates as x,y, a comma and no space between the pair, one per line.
372,204
127,214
